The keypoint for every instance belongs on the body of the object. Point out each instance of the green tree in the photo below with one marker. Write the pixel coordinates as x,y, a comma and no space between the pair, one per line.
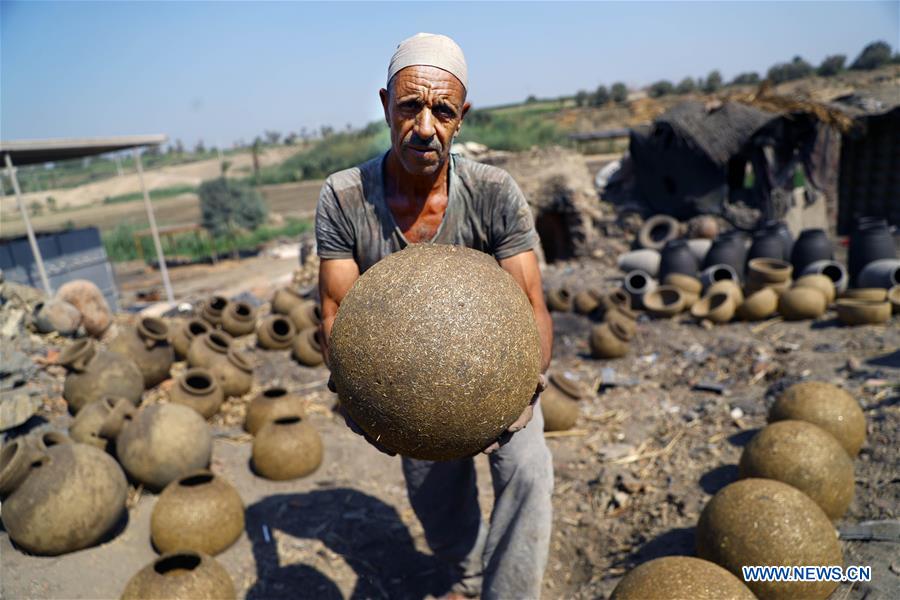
686,86
36,208
619,92
796,69
226,206
600,97
749,78
272,137
199,148
660,88
713,82
581,98
531,99
832,65
872,56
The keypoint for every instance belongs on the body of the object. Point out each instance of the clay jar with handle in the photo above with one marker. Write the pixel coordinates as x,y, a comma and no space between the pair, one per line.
147,344
234,374
200,512
59,496
213,309
239,319
184,574
198,389
812,245
184,334
286,448
95,372
306,314
209,348
162,443
100,422
275,332
271,404
285,300
306,347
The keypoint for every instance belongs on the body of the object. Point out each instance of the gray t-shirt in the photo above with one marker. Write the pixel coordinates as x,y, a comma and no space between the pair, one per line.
486,211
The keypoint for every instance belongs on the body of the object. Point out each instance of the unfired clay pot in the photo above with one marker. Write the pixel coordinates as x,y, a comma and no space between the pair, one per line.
680,577
234,373
271,404
239,319
822,283
162,443
306,314
147,344
558,406
285,300
56,315
207,349
759,305
88,299
306,348
863,312
275,332
609,340
665,301
59,496
585,302
198,389
287,448
802,303
559,300
200,512
185,333
100,422
717,307
831,269
213,309
657,230
94,373
827,406
182,576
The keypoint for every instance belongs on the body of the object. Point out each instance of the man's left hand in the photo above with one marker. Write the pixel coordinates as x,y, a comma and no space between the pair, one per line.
523,420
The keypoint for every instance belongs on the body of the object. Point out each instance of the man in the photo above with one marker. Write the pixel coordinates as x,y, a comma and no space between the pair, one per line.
419,192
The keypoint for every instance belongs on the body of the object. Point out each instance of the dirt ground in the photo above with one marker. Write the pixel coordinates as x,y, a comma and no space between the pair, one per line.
647,453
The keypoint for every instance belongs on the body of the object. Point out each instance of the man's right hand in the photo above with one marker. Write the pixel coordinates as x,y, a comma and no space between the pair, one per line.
354,427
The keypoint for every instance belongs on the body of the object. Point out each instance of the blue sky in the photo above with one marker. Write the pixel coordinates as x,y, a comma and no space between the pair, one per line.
222,71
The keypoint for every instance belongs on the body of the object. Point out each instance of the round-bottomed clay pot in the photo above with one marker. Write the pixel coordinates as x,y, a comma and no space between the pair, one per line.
184,334
59,496
271,404
56,315
559,300
275,332
703,227
767,522
306,314
162,443
88,299
559,409
147,344
285,300
95,372
822,283
239,319
769,270
729,287
213,310
200,512
805,456
100,422
759,305
617,298
824,405
665,301
306,348
234,374
181,575
717,307
624,317
862,312
207,349
638,284
811,246
766,244
676,257
609,340
870,242
198,389
883,273
716,273
287,448
658,230
645,259
585,302
802,303
690,287
729,248
680,577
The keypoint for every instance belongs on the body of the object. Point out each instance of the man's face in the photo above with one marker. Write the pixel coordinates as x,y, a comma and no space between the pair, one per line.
424,108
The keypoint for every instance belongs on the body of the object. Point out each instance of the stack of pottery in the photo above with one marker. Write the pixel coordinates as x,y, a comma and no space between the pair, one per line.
197,388
147,344
768,272
718,306
275,332
870,242
832,269
306,348
95,373
758,305
183,574
559,402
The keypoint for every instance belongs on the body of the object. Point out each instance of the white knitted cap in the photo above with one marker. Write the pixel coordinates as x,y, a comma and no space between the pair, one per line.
430,49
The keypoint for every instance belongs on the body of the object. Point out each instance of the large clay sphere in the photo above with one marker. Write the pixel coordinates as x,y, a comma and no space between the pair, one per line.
804,456
435,351
680,577
827,406
181,575
766,522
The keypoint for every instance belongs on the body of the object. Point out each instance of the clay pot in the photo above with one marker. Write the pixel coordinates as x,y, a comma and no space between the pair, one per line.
60,496
197,388
275,332
147,345
94,373
717,307
646,260
862,312
306,348
835,271
208,349
870,242
699,248
728,249
759,305
883,273
213,310
802,303
285,300
657,231
690,287
638,284
88,299
559,410
802,455
566,384
624,317
827,406
703,227
100,422
766,244
781,229
239,319
767,522
716,273
609,340
768,270
818,282
894,299
181,575
813,245
617,298
271,404
680,577
676,257
286,448
234,374
865,294
200,512
162,443
559,300
665,301
56,315
185,333
304,315
585,302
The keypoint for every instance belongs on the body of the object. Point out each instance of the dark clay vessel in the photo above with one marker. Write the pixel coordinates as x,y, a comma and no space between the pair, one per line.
728,249
95,373
100,422
870,242
676,257
766,244
812,245
59,496
181,576
287,448
780,229
275,332
185,333
239,319
147,344
198,389
271,404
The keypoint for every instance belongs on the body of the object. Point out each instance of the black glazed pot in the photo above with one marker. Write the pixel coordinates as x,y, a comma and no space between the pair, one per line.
729,248
766,244
780,228
811,246
676,257
871,241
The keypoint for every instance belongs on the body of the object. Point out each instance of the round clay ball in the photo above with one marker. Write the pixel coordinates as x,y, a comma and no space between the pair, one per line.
435,351
680,577
767,522
804,456
827,406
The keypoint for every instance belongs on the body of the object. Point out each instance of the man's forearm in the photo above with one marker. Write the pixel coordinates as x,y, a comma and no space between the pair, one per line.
545,332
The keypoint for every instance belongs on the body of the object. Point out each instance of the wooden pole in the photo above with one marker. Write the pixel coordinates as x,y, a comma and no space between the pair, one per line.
38,259
153,229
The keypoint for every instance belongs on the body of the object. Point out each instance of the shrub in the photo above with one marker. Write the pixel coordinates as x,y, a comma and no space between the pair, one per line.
713,82
796,69
581,98
686,86
618,92
832,65
228,205
749,78
660,88
600,97
872,56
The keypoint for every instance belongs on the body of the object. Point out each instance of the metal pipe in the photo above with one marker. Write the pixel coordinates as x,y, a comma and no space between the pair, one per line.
38,259
152,218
